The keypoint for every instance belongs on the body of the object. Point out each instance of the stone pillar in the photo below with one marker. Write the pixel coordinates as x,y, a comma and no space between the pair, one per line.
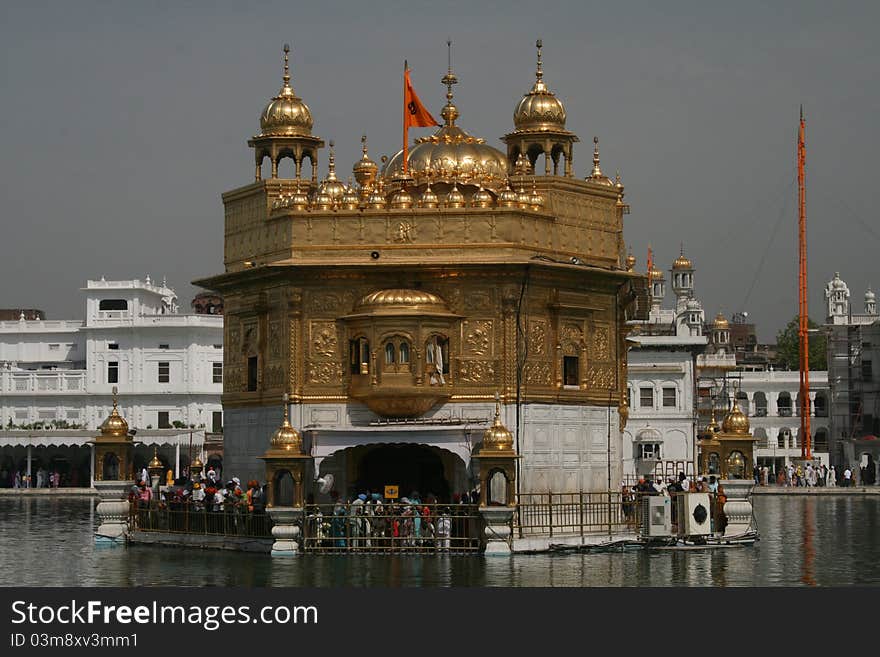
113,509
92,465
113,448
30,479
738,507
177,459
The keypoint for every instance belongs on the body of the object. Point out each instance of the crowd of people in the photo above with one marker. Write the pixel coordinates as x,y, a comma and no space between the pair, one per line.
672,486
42,478
810,476
369,521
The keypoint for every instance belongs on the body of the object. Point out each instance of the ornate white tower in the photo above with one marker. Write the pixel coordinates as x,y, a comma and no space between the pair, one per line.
870,302
837,296
682,281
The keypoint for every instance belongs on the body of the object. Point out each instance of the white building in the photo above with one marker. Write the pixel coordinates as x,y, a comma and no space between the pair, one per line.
662,364
57,377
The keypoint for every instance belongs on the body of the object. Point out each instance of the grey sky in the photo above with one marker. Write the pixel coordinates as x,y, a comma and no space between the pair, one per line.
123,123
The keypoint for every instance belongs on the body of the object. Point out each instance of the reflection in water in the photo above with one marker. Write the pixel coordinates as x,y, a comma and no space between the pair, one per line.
804,541
809,551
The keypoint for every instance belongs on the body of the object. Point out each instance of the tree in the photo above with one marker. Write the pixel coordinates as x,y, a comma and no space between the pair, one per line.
788,347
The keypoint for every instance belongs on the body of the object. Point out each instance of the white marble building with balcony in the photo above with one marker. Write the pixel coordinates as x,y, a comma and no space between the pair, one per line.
57,377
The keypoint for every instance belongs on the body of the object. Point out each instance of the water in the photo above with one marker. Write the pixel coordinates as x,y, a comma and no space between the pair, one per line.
805,541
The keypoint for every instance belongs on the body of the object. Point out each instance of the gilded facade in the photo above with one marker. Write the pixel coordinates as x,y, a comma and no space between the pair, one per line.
393,310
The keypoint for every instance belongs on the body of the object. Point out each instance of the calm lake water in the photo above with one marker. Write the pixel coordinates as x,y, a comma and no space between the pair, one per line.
805,541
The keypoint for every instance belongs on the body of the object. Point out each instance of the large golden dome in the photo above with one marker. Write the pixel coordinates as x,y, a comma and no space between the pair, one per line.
286,114
540,109
401,301
451,155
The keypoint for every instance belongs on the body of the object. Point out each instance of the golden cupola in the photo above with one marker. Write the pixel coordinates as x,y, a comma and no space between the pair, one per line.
331,187
539,127
497,438
286,130
720,322
630,262
735,422
682,262
451,155
596,176
365,169
115,425
286,438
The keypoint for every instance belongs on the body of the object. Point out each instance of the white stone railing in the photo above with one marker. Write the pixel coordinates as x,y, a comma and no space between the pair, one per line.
42,382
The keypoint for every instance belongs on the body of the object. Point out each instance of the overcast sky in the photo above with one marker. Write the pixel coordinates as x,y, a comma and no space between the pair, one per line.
122,123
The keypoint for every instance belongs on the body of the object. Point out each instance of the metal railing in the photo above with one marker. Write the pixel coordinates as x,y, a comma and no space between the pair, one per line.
189,518
569,513
391,527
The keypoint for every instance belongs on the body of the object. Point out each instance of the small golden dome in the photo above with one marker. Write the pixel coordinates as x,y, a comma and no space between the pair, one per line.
454,199
481,199
350,199
630,262
720,322
331,186
401,200
596,176
286,437
682,261
497,437
323,201
286,114
540,109
735,421
299,201
365,169
523,198
377,198
428,198
656,275
522,166
115,425
401,301
155,463
507,198
536,201
196,465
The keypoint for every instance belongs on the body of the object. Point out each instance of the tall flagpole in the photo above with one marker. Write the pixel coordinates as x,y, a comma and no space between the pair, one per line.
405,122
803,323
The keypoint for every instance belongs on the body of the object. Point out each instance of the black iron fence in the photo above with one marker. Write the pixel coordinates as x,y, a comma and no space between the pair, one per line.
190,518
391,527
569,513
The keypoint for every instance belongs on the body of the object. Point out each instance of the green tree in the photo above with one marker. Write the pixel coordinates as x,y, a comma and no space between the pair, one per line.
787,347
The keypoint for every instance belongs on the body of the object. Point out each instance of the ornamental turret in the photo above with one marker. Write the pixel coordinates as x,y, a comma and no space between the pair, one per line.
539,128
286,131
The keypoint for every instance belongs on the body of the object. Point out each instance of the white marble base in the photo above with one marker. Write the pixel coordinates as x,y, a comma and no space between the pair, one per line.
738,507
286,530
113,510
497,531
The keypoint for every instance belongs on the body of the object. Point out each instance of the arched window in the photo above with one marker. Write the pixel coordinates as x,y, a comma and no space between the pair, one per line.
437,359
396,350
714,463
736,466
404,353
821,405
783,403
283,489
113,304
497,488
359,356
110,469
389,353
760,404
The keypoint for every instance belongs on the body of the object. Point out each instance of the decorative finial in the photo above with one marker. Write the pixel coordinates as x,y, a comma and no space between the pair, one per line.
364,145
286,400
450,111
539,71
596,170
331,162
115,401
286,76
497,409
681,252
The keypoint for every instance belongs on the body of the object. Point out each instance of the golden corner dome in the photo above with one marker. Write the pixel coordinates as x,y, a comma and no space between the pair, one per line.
655,274
115,425
497,438
720,321
331,186
286,438
736,421
365,169
286,115
539,110
451,155
400,301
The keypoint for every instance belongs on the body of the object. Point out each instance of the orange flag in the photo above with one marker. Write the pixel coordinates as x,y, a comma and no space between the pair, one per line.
416,115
